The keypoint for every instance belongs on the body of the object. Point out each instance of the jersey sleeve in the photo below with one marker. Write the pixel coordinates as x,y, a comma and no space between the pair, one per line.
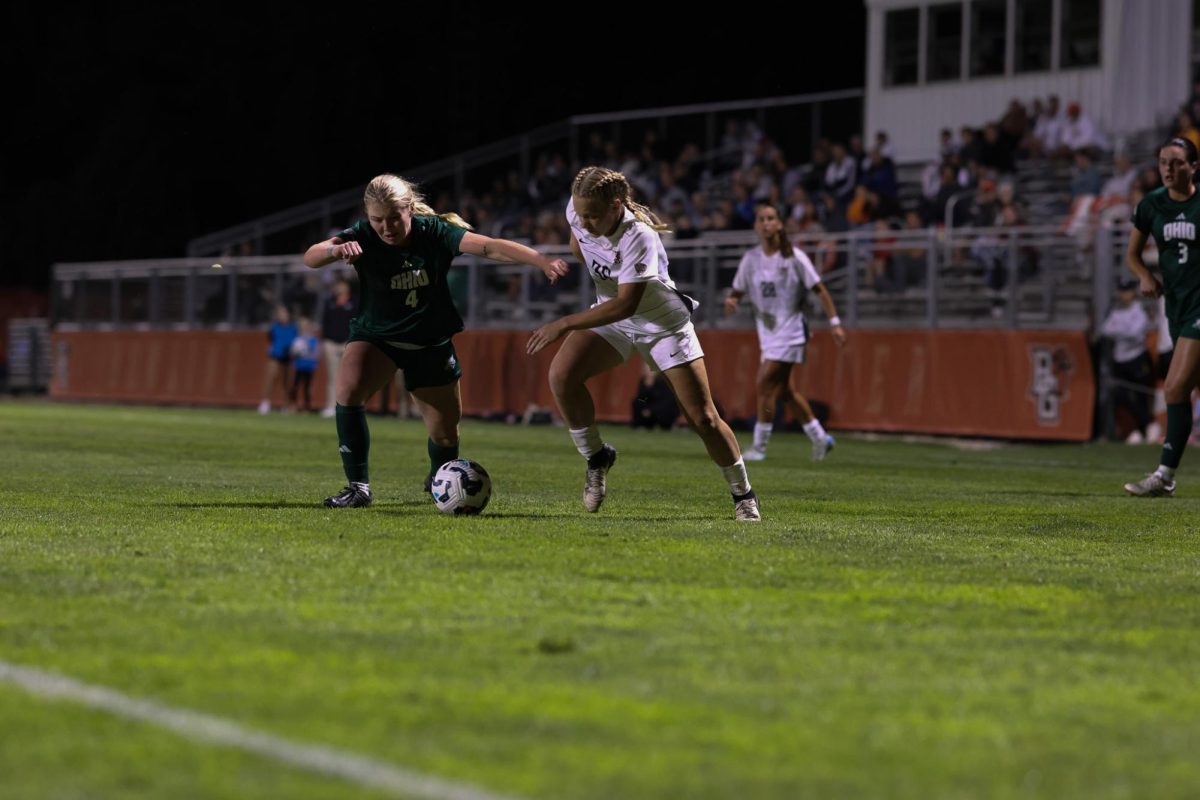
639,255
355,233
804,267
448,236
1143,216
741,278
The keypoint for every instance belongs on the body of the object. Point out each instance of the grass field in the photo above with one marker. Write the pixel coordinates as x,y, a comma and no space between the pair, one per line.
909,621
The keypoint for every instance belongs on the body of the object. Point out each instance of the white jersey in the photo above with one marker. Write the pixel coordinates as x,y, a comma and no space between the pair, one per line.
777,287
634,254
1127,327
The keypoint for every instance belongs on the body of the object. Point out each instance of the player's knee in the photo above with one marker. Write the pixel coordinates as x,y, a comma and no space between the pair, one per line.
705,419
562,379
1176,391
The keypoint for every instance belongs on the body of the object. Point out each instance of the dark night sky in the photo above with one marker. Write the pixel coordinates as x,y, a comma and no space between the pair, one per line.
133,129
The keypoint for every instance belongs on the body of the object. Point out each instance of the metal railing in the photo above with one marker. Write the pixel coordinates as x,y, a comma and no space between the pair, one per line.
1031,276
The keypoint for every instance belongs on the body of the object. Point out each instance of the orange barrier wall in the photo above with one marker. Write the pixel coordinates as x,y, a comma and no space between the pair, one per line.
1022,384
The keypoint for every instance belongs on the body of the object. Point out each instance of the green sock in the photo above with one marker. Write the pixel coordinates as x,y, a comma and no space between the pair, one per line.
439,455
1179,427
354,441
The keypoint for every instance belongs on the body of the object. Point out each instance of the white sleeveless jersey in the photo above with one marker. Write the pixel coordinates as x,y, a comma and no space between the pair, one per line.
777,288
634,254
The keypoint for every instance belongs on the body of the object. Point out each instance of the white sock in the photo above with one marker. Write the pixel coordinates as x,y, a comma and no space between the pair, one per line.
1166,472
762,434
587,440
814,430
735,476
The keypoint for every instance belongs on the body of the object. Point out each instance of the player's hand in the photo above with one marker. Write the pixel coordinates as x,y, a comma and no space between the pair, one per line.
545,335
731,305
839,335
1150,286
347,251
555,269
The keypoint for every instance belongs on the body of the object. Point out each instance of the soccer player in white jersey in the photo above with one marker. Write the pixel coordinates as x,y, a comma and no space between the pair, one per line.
637,308
777,278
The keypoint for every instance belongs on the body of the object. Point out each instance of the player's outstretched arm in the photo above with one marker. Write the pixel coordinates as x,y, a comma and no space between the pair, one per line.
512,253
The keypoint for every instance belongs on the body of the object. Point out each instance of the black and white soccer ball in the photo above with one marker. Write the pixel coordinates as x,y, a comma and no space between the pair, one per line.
461,487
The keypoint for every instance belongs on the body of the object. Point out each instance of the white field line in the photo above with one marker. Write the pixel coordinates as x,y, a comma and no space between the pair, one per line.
215,730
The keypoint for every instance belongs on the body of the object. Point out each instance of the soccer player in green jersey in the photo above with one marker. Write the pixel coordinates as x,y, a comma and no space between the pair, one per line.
406,318
1171,214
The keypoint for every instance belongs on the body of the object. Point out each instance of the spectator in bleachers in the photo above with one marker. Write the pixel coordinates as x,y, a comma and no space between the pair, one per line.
688,167
994,255
880,175
813,173
1047,132
858,152
1124,175
798,203
861,210
948,188
910,261
743,207
831,214
1079,132
841,175
969,145
984,207
995,154
883,144
669,191
879,268
1014,126
1006,195
1085,178
947,147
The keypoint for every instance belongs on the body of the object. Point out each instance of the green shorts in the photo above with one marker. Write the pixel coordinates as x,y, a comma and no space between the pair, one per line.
432,365
1187,326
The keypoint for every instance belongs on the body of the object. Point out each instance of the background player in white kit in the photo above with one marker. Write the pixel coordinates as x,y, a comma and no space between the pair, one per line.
777,278
637,308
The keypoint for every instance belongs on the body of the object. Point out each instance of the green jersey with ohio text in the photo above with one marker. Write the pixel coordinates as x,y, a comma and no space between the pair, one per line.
403,292
1174,225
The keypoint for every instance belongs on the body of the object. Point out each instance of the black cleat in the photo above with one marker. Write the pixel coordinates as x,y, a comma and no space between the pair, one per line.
428,484
350,497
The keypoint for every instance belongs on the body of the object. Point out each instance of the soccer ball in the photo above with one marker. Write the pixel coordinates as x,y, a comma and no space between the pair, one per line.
461,487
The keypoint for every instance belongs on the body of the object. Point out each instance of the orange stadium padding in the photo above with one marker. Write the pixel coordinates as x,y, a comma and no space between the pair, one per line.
1019,384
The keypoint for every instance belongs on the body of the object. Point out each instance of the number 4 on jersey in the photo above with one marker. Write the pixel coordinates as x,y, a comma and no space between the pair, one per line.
411,299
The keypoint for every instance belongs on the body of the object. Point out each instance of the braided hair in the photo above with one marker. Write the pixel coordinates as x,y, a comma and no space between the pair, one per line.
607,185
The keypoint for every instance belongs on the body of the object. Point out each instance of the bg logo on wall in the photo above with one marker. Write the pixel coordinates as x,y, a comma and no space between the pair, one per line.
1050,368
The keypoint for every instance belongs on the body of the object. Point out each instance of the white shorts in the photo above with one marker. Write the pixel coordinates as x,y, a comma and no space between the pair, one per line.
671,349
787,353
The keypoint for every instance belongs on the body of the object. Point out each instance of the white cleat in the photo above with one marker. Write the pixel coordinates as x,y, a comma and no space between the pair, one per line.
746,509
264,407
753,454
595,485
821,447
1153,485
